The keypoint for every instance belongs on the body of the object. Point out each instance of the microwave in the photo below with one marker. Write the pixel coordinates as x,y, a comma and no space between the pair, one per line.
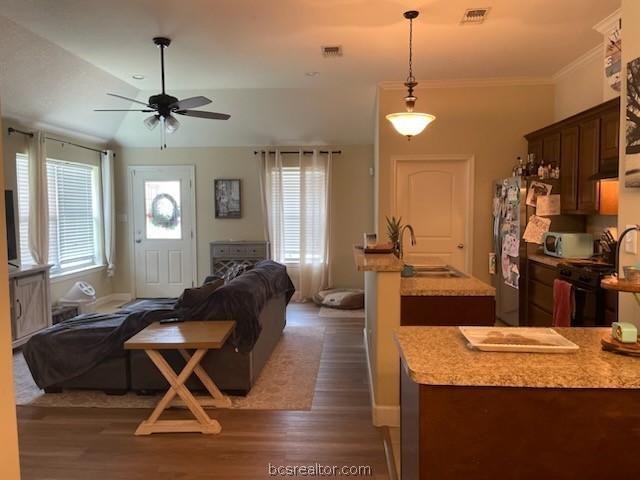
568,245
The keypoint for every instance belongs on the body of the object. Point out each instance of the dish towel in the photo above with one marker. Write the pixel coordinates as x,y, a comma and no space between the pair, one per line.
562,303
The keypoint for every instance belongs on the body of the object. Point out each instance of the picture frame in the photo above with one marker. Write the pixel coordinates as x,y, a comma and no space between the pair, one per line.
632,126
227,195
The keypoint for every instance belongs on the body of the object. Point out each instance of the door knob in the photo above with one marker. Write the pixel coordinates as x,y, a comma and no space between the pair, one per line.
138,241
461,246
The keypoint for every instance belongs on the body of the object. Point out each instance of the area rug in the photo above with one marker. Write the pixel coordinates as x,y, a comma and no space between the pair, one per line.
287,381
337,313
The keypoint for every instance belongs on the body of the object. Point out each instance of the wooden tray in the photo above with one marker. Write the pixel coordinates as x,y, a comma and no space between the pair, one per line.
374,250
610,344
517,339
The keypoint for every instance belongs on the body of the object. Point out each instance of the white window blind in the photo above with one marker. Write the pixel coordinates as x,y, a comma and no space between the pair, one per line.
290,194
22,180
73,216
302,200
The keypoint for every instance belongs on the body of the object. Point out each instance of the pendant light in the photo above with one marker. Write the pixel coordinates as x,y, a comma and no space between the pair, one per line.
410,123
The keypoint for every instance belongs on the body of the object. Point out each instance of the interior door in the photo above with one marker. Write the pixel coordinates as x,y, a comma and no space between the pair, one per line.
432,196
163,223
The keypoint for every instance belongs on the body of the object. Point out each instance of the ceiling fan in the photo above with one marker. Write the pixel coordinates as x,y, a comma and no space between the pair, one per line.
164,106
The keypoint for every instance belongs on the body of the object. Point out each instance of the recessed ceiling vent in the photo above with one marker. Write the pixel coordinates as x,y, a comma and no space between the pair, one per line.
332,51
474,15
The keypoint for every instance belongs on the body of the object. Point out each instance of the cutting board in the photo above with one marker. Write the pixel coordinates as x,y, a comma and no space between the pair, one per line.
517,339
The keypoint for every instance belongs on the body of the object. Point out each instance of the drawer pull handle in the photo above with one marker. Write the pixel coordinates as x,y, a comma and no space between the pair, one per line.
19,308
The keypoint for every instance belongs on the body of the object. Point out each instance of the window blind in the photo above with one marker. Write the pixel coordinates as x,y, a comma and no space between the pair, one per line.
73,218
290,194
22,180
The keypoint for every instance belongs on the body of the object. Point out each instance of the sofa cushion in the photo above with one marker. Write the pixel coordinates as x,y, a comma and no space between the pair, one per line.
192,297
342,298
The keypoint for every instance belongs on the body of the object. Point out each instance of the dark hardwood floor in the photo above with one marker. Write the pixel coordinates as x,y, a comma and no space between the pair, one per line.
85,443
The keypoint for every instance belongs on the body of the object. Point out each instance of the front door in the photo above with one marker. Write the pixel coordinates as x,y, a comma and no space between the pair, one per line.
432,196
163,230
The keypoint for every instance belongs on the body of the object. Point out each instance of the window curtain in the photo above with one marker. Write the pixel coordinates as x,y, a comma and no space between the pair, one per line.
298,212
315,184
272,202
109,210
38,199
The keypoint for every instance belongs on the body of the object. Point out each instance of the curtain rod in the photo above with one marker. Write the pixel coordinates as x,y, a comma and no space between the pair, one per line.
305,152
11,130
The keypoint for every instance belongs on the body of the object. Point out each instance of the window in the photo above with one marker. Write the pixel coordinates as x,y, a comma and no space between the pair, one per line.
302,197
22,179
74,216
290,213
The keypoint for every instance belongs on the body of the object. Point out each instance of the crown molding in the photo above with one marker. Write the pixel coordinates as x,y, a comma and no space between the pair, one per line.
470,82
578,62
607,24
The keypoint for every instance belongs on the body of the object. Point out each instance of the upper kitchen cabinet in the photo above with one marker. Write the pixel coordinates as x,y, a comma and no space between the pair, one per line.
586,146
609,142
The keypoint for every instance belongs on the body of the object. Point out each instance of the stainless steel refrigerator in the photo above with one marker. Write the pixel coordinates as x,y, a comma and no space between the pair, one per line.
510,252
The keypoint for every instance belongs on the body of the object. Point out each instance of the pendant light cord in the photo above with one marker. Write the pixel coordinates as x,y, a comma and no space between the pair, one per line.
411,78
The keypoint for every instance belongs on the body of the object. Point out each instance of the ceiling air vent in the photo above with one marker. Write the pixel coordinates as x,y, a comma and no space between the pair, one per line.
332,51
474,15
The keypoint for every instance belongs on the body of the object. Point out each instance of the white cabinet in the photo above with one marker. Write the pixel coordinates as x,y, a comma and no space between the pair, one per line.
30,302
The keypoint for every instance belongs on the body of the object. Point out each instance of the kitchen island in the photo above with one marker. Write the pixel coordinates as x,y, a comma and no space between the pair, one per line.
482,415
392,301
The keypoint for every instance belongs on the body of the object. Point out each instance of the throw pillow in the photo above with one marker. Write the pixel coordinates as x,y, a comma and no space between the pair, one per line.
192,297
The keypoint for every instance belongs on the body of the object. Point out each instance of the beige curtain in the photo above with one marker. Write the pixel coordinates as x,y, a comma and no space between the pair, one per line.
295,198
109,210
38,199
314,272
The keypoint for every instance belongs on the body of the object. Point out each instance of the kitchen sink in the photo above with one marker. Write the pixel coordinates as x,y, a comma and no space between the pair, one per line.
437,271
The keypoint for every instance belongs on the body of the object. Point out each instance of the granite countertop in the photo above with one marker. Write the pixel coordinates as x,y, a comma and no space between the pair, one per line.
440,356
546,259
445,287
377,262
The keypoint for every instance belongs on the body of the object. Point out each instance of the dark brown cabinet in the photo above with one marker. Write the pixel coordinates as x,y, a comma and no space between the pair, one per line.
585,145
551,149
446,311
568,169
588,163
609,142
540,294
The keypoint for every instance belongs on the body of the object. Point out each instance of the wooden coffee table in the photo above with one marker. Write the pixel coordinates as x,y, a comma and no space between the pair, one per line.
183,336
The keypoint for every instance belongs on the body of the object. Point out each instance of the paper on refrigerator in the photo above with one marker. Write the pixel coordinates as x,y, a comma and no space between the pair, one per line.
548,205
536,228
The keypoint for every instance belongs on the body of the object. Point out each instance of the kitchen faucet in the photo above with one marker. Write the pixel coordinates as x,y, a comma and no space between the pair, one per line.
412,237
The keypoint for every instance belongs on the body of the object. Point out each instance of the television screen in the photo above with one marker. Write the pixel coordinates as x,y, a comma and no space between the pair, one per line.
11,225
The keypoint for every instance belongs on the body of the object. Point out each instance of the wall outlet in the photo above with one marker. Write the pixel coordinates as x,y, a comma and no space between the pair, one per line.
631,241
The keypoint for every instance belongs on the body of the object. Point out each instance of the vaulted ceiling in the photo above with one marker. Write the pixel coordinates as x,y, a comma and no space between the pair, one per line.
57,59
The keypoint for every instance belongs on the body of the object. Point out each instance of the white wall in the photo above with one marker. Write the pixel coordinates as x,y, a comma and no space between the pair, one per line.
579,86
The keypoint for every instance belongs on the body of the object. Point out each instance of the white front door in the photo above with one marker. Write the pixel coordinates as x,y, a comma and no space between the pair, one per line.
163,230
432,194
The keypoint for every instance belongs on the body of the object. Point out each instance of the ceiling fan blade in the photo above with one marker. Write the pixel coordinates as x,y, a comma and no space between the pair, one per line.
201,114
191,102
127,98
116,110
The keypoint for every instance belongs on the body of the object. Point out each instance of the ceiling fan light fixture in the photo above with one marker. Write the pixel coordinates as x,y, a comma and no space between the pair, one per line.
171,124
152,121
410,123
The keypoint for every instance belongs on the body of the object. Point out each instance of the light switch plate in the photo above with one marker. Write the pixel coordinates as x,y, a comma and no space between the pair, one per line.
631,242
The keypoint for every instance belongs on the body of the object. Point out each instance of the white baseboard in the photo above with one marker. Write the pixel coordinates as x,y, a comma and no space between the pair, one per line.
381,415
114,297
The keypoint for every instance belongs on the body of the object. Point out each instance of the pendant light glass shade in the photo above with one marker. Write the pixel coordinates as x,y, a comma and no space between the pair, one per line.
410,123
